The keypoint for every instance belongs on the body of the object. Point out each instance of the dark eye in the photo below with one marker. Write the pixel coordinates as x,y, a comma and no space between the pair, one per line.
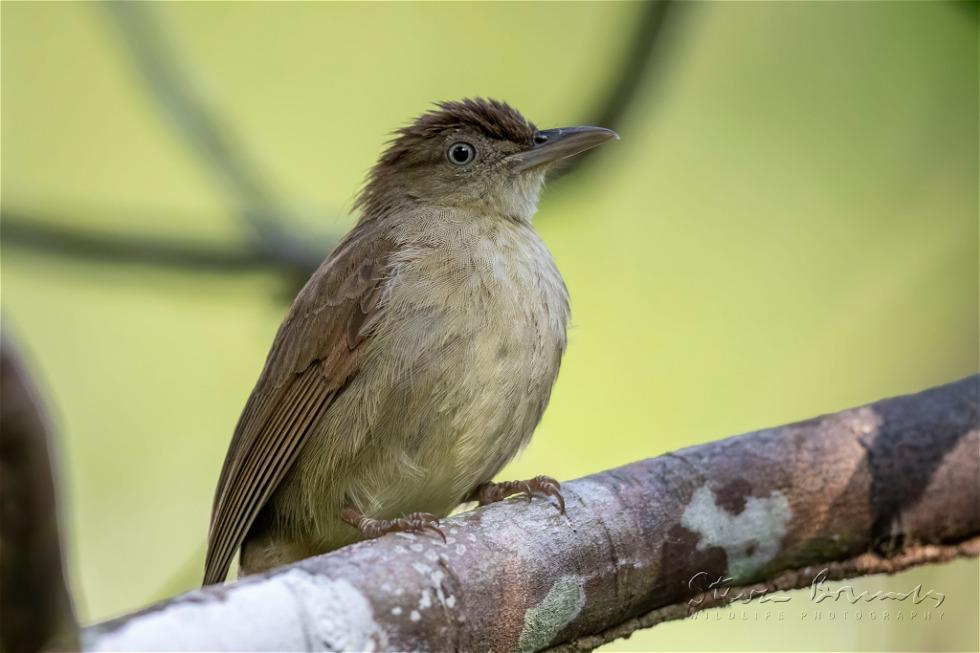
461,153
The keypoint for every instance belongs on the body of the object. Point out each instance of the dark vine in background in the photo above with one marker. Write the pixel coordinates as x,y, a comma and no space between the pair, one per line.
221,153
276,240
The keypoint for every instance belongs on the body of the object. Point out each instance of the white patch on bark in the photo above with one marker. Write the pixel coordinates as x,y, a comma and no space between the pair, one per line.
557,609
340,618
296,612
750,539
437,577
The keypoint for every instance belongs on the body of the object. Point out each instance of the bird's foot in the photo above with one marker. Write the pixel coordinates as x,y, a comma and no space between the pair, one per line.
542,485
413,522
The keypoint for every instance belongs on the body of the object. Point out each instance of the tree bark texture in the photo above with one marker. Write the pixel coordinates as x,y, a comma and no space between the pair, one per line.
868,490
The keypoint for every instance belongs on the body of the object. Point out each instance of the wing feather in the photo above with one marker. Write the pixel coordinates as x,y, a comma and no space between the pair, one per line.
315,354
266,465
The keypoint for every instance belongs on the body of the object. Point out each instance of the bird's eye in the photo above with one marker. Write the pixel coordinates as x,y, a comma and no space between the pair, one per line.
461,153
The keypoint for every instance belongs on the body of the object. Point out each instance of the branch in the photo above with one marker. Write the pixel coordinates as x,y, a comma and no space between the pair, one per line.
35,606
210,138
65,238
78,242
868,490
630,75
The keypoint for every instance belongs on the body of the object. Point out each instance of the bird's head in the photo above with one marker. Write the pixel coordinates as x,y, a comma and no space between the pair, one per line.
476,155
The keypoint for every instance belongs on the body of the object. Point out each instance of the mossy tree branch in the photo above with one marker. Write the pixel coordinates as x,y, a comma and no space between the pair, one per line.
868,490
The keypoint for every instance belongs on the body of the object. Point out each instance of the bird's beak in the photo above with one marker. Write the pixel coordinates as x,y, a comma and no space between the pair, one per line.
552,145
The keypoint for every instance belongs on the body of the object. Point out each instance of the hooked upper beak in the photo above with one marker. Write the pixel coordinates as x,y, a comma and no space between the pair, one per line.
552,145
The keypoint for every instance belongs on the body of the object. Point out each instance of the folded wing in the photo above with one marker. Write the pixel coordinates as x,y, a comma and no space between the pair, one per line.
316,353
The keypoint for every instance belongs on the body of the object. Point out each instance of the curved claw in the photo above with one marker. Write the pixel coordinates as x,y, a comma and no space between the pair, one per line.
552,488
561,502
434,527
526,489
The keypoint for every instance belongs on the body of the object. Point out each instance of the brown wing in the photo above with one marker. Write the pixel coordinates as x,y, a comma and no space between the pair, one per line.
315,354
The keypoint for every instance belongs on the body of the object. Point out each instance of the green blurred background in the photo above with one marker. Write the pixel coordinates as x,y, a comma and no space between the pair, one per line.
788,227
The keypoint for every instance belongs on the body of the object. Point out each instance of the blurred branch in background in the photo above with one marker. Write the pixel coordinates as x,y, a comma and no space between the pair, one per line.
871,490
635,69
36,610
46,235
276,239
202,131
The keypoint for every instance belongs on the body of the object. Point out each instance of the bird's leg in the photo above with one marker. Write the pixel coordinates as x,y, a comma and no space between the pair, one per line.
492,492
413,522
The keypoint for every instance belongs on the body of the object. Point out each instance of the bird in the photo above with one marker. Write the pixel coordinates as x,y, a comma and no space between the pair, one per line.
418,358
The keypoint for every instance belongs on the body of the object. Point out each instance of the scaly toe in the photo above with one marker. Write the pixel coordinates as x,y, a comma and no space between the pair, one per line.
421,522
527,490
375,529
550,487
426,517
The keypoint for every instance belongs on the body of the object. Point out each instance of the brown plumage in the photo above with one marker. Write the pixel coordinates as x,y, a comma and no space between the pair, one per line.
416,360
315,353
492,118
